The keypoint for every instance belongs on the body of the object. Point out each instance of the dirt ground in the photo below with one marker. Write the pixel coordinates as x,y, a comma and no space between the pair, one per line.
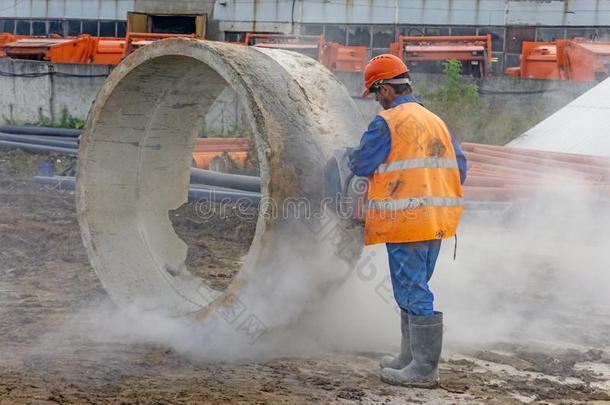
46,279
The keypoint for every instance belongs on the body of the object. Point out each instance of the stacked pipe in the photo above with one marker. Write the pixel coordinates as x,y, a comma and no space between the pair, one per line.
205,184
503,174
496,174
196,192
39,139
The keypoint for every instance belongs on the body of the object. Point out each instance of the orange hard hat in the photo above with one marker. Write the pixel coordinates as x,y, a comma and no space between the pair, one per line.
382,67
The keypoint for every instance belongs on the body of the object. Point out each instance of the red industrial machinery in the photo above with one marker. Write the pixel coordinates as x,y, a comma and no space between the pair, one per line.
569,59
538,61
6,38
135,40
583,60
57,50
219,154
110,51
473,51
82,49
334,56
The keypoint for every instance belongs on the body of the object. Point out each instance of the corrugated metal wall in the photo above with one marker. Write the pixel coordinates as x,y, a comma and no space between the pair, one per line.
94,9
443,12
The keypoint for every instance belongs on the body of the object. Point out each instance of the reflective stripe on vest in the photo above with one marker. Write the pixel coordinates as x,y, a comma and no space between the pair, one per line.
421,163
415,202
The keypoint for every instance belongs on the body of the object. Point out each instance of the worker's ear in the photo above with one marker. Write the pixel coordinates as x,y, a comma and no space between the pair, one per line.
385,90
390,92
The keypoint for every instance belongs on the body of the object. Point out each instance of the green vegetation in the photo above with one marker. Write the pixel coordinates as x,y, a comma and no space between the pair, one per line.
470,117
66,120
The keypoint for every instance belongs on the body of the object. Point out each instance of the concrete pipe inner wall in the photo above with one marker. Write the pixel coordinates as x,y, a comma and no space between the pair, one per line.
135,158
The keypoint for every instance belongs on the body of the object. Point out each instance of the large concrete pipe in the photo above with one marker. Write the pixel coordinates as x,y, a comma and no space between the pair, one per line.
135,161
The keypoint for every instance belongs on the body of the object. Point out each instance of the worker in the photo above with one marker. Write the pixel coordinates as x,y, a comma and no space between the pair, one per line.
416,171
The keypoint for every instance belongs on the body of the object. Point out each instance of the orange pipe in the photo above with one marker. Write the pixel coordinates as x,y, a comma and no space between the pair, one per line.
497,170
476,181
495,175
515,164
504,170
585,168
562,156
506,181
497,193
223,141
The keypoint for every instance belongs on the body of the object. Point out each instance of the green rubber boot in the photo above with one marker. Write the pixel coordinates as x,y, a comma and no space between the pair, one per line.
403,359
426,333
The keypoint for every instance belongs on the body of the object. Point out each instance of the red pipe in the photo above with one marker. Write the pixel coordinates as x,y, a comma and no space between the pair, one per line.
561,156
497,193
491,169
534,168
580,167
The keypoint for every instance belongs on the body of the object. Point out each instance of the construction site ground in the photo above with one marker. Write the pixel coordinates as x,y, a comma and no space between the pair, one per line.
50,351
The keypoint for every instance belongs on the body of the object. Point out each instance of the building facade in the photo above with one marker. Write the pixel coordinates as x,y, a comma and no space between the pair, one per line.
370,23
375,24
95,17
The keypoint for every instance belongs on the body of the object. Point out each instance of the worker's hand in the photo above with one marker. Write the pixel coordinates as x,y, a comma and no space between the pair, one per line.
345,173
346,190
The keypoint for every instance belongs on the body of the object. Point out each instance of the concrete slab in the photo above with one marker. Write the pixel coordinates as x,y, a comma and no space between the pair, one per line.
583,126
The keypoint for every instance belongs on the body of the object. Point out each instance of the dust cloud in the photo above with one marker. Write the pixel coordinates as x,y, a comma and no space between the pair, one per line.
536,272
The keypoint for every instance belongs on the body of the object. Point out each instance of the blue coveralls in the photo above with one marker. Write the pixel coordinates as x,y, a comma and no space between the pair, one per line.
411,264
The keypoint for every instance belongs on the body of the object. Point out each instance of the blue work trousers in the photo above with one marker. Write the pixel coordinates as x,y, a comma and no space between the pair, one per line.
411,267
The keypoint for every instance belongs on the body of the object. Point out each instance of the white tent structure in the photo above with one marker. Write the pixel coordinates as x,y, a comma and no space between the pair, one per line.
582,126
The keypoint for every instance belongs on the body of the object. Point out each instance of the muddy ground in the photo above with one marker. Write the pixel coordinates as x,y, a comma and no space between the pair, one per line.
46,281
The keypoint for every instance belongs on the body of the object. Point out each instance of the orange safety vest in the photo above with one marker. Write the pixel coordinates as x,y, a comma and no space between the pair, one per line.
416,194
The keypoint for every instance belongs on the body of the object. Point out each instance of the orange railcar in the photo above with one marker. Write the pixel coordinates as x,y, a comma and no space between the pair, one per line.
5,38
475,50
569,59
109,51
82,49
340,58
57,50
538,61
220,153
581,60
336,57
135,40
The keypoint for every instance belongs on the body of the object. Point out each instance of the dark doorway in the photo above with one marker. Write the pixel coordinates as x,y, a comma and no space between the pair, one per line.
515,37
170,24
